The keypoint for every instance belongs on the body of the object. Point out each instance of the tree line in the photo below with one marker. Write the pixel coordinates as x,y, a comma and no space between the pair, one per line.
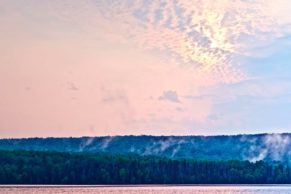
31,167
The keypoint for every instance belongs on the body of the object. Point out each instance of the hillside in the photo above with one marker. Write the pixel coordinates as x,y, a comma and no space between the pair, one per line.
268,147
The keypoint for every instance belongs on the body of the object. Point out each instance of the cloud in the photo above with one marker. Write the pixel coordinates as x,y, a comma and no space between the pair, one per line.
170,95
205,35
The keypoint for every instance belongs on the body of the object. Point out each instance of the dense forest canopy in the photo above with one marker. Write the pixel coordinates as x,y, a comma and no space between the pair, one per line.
30,167
240,159
267,147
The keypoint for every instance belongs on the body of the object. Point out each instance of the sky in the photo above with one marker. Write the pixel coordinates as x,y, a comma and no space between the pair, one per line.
132,67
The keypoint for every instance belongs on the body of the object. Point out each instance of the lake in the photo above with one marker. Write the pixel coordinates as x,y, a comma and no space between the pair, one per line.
270,189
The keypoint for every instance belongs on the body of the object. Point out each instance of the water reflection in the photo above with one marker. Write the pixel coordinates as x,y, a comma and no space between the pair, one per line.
146,190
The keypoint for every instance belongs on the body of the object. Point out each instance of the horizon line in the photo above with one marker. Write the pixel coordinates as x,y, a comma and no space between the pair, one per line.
148,135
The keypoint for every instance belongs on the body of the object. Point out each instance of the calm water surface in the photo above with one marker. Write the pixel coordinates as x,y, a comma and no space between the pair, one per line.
146,190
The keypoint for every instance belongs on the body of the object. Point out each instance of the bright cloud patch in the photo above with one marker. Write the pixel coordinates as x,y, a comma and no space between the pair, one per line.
203,34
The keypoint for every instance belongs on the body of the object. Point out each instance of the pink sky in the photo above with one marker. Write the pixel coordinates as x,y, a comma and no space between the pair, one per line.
76,68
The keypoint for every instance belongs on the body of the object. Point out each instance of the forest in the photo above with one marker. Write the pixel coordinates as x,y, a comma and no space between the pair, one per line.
226,147
33,167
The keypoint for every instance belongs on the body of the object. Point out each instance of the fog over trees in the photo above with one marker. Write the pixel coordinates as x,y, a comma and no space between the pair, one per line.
267,147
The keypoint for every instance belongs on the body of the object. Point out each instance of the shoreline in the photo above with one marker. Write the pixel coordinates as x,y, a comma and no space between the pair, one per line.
145,186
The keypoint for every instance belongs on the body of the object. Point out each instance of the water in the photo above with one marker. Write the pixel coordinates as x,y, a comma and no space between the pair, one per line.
146,190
